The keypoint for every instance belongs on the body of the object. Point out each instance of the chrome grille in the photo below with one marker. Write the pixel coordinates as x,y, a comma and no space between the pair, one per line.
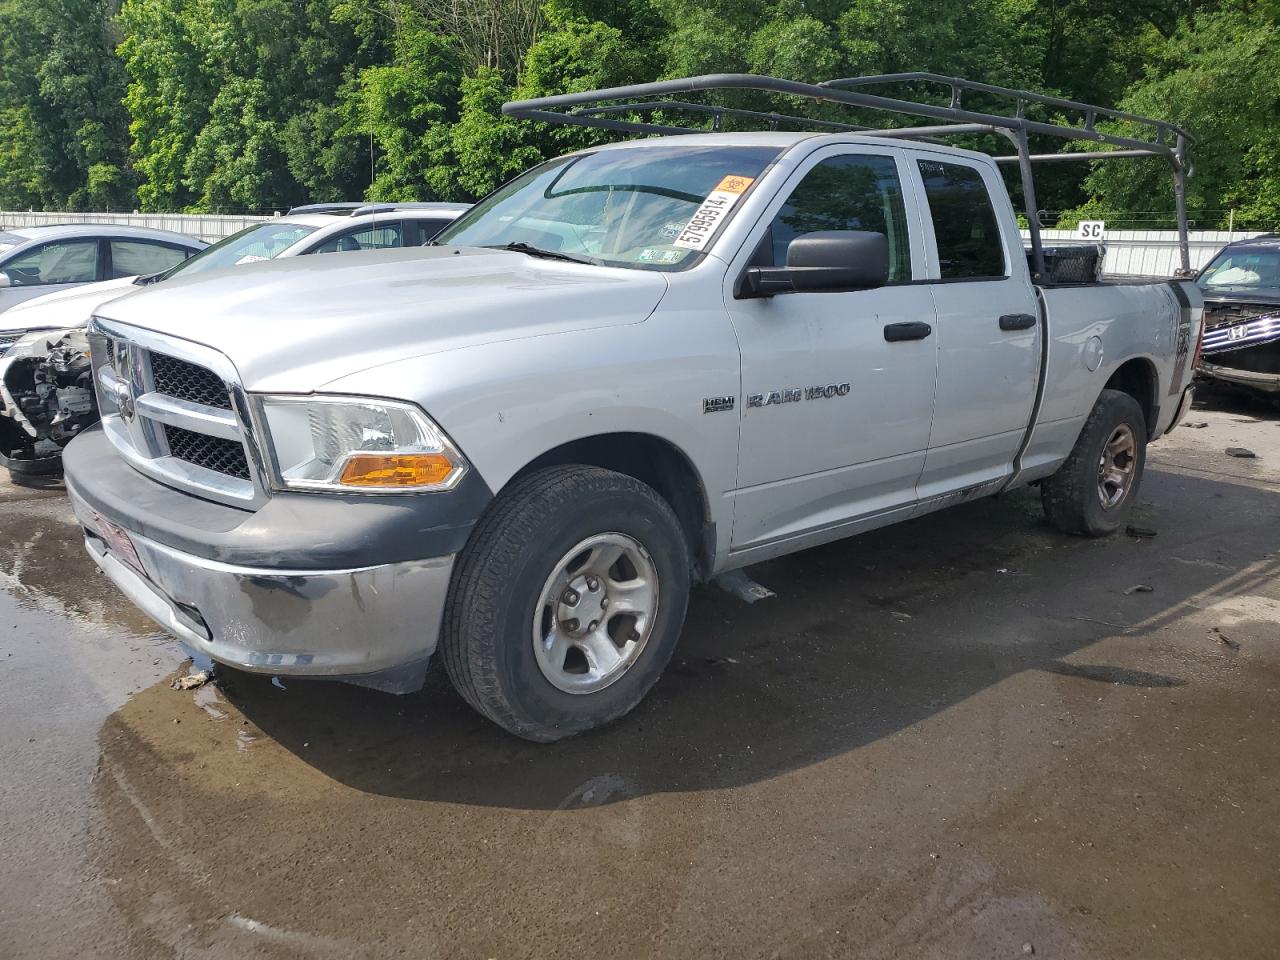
212,453
188,381
172,409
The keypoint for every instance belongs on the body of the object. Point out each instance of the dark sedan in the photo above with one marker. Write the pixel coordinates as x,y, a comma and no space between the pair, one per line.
1242,315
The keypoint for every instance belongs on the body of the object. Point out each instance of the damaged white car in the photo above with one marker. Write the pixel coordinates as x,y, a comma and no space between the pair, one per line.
47,389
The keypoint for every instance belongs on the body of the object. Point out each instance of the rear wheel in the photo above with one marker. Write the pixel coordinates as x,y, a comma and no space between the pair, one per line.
1094,490
567,603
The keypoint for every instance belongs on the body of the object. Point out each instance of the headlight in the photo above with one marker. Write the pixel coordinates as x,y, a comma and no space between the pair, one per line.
355,444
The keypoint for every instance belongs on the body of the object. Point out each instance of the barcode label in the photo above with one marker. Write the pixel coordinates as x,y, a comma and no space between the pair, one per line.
702,225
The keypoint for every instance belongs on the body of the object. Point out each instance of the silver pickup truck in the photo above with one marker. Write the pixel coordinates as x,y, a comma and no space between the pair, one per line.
630,369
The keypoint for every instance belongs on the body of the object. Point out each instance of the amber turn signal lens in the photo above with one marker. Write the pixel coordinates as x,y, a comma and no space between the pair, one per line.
396,470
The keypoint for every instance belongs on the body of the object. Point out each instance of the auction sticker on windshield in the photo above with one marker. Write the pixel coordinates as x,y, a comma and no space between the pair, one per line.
702,225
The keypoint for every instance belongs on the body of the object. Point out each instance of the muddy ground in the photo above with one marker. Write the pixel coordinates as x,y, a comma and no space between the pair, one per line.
961,737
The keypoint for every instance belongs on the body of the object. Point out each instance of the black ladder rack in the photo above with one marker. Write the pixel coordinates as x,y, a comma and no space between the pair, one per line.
601,109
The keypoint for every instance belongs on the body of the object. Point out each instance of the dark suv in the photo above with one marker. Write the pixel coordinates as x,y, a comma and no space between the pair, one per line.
1242,315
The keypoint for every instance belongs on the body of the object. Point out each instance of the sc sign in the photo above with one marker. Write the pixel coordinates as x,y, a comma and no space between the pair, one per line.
1093,230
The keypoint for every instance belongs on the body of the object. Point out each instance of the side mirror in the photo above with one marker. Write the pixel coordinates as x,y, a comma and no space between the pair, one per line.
827,261
5,280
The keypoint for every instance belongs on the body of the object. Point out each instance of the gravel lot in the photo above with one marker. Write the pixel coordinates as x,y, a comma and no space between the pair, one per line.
965,736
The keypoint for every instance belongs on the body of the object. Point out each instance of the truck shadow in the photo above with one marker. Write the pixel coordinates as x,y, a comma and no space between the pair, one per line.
865,638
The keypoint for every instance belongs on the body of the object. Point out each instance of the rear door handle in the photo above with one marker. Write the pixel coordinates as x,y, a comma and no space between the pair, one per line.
1017,321
915,330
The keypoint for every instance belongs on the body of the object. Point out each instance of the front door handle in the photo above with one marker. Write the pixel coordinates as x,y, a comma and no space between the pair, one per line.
915,330
1017,321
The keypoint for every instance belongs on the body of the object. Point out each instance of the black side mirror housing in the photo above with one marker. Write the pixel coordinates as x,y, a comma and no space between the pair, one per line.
826,261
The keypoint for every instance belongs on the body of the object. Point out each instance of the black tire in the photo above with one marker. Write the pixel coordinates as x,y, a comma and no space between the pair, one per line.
487,641
1071,497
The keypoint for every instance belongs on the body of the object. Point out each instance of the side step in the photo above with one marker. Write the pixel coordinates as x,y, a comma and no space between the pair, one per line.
743,587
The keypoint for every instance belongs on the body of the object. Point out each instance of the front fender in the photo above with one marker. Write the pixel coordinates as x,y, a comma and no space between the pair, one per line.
506,404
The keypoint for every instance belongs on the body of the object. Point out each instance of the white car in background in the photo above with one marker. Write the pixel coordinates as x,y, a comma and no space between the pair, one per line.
319,228
46,391
36,261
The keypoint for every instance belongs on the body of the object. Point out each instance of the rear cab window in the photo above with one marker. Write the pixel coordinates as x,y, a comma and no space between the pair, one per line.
969,243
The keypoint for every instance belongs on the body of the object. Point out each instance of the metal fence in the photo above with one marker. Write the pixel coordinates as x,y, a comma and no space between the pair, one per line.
207,226
1148,253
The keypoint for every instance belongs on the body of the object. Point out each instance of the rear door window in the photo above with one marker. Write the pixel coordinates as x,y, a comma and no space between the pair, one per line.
964,222
131,258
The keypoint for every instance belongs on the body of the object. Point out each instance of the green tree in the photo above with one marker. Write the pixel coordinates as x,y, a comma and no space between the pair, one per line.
61,85
258,104
235,103
406,108
1219,77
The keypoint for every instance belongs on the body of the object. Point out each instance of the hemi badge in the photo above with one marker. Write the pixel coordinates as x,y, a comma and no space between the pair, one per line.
717,404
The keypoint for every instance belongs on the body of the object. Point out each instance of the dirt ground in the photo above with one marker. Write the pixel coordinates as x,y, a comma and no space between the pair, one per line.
962,737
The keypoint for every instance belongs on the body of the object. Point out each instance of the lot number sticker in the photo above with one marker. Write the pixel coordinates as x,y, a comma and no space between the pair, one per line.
702,225
1091,230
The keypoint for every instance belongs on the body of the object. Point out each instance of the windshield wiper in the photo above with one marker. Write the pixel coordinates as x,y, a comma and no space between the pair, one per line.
143,279
519,246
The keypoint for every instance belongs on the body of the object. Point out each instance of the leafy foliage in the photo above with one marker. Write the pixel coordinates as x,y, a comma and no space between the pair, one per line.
65,142
258,104
1219,76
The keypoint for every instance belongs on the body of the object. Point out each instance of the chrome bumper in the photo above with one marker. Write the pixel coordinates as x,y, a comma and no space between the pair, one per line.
324,623
1266,382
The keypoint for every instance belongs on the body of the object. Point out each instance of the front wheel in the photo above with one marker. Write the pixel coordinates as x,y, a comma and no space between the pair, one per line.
567,602
1094,490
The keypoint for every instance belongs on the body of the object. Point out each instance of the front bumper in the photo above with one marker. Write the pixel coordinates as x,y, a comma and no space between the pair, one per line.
1263,382
324,623
308,585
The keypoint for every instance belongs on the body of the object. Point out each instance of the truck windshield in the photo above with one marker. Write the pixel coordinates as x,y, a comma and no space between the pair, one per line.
262,241
1243,267
649,208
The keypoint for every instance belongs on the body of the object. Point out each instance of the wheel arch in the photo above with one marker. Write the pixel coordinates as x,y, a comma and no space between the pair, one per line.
1139,378
655,461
